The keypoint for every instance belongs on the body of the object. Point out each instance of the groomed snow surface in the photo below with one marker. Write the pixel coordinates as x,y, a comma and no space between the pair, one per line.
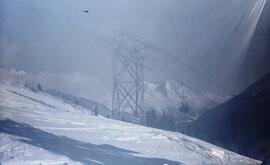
36,128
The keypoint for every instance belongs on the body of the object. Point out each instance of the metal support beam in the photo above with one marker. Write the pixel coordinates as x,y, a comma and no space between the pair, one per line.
128,75
128,85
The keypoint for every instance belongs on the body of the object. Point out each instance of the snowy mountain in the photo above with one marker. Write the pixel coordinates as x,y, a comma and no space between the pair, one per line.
161,98
168,96
36,128
164,99
81,102
76,84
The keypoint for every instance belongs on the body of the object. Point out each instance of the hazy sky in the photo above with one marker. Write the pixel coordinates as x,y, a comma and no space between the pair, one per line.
57,36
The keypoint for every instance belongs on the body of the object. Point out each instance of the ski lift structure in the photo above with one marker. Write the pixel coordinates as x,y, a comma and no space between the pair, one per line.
184,107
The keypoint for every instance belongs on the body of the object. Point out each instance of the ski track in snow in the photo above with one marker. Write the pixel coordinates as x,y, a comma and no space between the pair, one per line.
89,139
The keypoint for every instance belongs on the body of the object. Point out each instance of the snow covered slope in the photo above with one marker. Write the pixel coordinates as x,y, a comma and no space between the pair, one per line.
79,102
36,128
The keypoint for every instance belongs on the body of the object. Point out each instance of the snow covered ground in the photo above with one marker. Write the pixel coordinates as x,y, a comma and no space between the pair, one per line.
36,128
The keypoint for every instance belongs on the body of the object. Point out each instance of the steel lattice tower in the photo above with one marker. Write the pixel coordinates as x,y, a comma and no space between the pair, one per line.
128,82
128,75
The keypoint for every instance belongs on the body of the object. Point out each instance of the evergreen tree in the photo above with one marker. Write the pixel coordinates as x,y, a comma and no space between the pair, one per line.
26,84
96,111
39,87
151,118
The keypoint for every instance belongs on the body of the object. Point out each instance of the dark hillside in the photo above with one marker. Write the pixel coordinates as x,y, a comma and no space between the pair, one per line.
242,124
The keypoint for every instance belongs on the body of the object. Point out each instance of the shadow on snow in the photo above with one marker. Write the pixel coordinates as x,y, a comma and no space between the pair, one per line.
76,150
